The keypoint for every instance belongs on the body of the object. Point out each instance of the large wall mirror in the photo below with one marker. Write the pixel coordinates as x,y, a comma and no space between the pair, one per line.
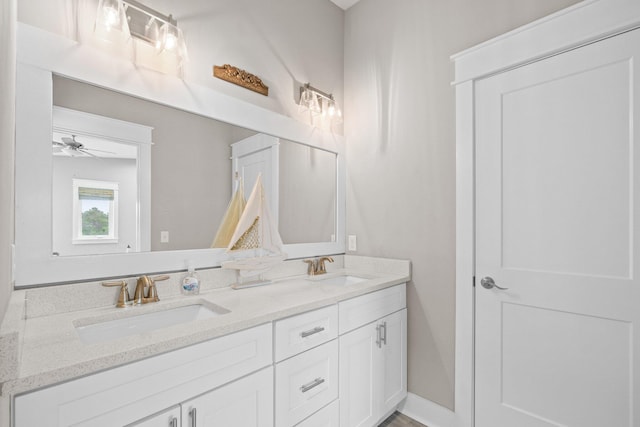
111,205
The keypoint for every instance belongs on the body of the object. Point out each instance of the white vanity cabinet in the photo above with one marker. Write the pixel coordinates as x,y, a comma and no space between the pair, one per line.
130,393
341,365
373,370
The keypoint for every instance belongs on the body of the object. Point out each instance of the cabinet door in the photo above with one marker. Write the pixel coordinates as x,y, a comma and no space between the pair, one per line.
168,418
247,402
394,363
359,360
373,370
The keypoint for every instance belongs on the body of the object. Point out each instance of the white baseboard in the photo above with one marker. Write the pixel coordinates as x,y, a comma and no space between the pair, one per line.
427,412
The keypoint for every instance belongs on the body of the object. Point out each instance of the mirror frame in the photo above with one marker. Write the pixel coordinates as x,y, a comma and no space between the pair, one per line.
40,55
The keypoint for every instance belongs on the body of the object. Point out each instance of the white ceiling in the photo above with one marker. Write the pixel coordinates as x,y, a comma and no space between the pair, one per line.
345,4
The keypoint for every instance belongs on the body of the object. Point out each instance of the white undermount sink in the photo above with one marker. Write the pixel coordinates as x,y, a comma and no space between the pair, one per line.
340,280
108,330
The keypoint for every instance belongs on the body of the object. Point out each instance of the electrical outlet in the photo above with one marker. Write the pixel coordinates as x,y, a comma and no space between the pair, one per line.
353,244
164,237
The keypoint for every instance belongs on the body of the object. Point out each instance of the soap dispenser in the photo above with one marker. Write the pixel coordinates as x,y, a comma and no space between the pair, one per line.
190,284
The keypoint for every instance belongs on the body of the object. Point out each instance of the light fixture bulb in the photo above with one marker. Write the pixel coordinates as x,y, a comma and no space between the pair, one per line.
111,23
332,109
170,41
111,17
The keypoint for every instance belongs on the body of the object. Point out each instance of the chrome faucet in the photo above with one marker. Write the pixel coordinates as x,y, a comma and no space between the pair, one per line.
316,265
143,282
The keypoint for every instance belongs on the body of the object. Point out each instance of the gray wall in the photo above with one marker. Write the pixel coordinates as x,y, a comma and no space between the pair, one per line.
7,126
399,126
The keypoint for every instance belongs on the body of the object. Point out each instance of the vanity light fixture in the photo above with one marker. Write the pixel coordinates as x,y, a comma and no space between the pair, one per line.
135,19
318,102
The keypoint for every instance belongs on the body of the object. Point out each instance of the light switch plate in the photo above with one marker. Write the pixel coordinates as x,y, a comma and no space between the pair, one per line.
164,237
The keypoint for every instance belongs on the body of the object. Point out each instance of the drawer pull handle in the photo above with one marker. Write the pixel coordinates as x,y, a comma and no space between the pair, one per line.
174,422
383,337
315,383
193,413
313,331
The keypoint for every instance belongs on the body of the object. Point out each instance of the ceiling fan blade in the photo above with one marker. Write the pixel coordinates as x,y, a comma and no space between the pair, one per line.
83,151
101,151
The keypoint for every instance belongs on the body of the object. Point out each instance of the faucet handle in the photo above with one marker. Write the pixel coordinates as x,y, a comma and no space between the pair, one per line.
152,293
124,300
321,268
313,265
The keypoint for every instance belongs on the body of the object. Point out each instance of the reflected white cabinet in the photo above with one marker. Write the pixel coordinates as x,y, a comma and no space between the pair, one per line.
247,402
373,370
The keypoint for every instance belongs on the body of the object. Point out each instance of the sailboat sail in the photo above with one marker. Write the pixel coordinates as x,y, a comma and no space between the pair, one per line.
256,244
231,218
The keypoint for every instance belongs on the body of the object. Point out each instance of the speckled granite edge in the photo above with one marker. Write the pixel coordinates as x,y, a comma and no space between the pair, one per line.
11,329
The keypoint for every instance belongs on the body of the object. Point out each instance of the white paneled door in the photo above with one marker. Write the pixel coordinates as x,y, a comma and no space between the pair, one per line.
557,156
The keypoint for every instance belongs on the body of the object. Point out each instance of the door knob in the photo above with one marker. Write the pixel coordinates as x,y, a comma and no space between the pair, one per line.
489,283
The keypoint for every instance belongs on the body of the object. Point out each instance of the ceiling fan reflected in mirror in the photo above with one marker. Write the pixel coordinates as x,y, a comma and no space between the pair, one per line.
72,147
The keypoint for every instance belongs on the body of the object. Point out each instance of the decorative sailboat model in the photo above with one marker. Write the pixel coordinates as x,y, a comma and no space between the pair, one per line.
255,246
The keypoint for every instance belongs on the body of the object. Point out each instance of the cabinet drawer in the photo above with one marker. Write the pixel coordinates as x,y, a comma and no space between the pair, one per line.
305,383
367,308
128,393
302,332
329,416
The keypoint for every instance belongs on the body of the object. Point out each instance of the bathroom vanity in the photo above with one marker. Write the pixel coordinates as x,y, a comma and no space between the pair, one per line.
323,351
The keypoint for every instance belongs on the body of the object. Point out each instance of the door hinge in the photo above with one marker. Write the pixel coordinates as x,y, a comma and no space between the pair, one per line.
474,281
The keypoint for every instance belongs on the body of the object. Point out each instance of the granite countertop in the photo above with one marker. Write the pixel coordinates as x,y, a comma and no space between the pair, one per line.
47,349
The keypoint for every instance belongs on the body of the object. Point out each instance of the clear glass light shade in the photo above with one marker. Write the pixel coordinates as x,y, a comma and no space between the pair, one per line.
331,110
152,30
171,40
317,103
309,102
111,17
